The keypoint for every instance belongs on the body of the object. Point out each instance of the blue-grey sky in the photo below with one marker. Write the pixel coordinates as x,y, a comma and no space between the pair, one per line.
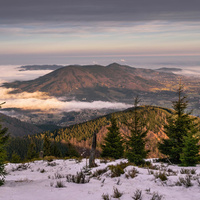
81,31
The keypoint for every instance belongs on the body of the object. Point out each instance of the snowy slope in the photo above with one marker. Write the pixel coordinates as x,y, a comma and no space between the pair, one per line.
39,180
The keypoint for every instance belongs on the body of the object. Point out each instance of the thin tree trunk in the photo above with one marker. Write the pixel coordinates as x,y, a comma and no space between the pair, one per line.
92,153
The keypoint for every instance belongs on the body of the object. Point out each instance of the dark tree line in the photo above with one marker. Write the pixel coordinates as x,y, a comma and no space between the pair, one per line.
29,147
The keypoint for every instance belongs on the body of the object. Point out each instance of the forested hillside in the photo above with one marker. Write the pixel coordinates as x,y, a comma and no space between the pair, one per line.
80,135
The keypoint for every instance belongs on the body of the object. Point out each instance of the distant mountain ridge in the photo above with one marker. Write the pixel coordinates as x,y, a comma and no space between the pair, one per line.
40,67
94,82
18,128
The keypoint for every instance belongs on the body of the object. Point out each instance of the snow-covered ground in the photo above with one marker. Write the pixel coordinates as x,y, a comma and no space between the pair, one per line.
39,182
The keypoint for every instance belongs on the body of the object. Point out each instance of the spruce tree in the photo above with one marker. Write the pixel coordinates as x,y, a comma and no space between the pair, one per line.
31,150
180,129
55,151
47,145
113,144
3,140
135,142
15,158
190,153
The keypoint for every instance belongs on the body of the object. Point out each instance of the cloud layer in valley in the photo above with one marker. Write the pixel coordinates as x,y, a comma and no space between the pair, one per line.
41,102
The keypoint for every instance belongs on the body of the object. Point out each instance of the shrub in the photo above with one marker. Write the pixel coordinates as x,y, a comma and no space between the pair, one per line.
49,158
105,160
21,167
185,171
161,175
148,190
59,184
171,172
42,170
52,164
198,181
156,196
58,176
105,197
78,160
154,167
137,195
132,173
193,171
79,178
51,184
117,170
99,172
1,181
150,172
185,181
117,193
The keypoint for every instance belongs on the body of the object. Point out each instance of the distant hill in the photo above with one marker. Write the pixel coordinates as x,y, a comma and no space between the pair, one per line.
95,82
166,69
18,128
39,67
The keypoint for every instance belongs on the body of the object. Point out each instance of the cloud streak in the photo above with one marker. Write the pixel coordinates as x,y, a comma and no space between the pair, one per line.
80,30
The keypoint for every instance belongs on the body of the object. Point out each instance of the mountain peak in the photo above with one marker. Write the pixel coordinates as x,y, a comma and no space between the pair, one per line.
93,82
114,65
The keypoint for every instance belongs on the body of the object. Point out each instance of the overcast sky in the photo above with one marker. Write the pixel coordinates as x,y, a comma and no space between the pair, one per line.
69,31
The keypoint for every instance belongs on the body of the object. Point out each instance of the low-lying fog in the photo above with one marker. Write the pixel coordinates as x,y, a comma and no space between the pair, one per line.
42,102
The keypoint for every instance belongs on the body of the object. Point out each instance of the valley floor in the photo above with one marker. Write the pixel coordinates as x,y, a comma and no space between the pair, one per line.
39,180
